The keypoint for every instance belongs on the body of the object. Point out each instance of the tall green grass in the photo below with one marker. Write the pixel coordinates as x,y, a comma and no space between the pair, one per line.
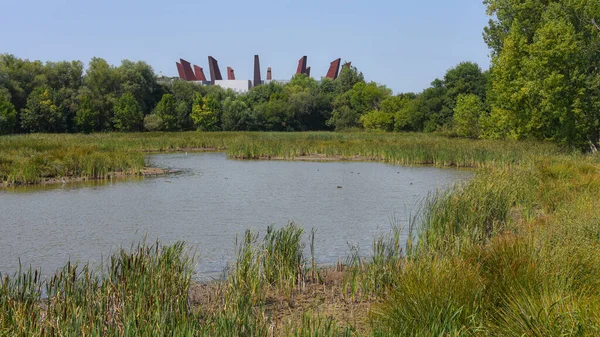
26,159
511,253
143,292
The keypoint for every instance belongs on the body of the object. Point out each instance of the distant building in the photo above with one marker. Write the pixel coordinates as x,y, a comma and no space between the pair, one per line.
239,86
184,69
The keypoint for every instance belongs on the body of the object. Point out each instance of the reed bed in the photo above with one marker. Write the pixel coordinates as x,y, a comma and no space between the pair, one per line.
513,252
142,292
145,292
30,159
509,254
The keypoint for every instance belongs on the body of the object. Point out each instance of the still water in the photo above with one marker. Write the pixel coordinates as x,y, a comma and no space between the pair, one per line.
210,200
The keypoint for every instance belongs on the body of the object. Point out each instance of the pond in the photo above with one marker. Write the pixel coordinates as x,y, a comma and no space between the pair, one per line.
206,203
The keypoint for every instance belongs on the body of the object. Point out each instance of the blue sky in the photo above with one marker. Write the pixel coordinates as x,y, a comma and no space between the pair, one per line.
402,44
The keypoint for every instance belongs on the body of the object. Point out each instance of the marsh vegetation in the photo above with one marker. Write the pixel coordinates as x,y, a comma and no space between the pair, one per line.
30,159
511,253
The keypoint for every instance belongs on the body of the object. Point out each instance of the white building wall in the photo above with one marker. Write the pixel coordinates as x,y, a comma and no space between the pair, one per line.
239,86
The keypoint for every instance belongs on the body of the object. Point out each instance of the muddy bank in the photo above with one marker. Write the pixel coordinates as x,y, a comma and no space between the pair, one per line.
186,149
323,296
310,157
155,171
145,172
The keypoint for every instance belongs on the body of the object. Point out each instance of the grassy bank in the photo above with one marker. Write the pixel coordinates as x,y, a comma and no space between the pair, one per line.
28,159
514,252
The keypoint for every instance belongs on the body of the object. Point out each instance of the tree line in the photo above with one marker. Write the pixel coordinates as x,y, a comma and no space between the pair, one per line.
61,97
543,83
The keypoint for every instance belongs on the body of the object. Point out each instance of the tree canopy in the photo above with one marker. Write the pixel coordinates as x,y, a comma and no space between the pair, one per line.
545,76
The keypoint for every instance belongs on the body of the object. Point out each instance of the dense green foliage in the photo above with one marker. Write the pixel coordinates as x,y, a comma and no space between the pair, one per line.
545,75
467,114
60,97
8,117
512,253
128,114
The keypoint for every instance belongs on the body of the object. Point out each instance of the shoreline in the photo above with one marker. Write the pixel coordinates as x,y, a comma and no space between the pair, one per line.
324,295
156,171
31,160
145,172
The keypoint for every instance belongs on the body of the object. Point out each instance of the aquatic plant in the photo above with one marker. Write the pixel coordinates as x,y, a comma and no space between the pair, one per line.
27,159
512,252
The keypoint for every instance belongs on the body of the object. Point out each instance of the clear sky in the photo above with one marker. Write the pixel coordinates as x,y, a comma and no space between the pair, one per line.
400,43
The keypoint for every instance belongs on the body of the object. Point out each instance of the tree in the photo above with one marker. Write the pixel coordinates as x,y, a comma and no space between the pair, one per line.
184,93
62,75
166,111
525,14
263,93
348,78
431,107
102,81
277,115
378,120
8,117
357,101
236,115
544,70
468,111
19,78
43,113
301,81
87,118
465,78
138,79
128,114
409,117
204,115
392,115
182,114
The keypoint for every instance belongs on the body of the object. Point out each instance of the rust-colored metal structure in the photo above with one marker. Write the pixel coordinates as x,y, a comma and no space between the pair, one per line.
230,74
180,71
213,66
184,69
188,73
257,79
199,72
302,65
334,69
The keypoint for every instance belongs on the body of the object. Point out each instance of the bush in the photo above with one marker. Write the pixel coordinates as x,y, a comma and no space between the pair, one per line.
378,120
8,117
433,298
469,109
153,122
